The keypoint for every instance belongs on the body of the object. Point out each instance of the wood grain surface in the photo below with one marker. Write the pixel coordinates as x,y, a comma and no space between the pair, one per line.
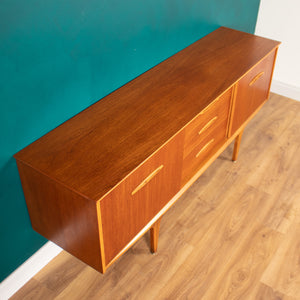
252,90
124,215
235,234
62,216
100,146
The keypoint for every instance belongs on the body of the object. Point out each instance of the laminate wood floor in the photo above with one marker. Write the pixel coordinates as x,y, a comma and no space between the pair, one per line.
235,234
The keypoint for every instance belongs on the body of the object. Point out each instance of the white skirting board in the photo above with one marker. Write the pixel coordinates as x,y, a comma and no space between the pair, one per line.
286,90
28,269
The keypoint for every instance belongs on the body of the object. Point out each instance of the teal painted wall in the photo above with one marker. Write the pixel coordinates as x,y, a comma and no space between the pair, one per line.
59,56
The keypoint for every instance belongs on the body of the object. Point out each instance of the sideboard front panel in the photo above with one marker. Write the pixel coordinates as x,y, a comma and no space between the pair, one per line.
252,90
128,208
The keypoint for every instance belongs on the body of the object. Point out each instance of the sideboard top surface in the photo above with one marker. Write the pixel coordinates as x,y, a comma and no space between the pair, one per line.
97,148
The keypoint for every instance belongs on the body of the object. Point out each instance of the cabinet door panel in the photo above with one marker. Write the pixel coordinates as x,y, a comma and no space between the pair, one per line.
135,201
252,91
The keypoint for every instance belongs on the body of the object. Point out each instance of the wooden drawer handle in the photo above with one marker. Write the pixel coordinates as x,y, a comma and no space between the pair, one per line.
204,147
208,107
146,180
256,78
208,124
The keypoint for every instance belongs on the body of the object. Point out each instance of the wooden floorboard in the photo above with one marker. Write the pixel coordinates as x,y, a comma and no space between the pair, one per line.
235,234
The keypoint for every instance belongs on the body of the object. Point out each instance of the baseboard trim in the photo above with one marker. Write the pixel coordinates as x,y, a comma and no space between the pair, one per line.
28,269
286,90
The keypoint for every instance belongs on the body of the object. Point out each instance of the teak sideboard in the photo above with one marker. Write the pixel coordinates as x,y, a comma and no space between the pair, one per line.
95,184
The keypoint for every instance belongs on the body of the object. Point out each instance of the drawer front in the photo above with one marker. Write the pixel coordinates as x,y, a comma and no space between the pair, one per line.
204,135
252,91
203,151
204,125
128,208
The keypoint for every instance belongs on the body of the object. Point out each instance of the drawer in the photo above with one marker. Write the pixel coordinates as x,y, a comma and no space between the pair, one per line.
203,151
205,124
204,135
128,208
252,91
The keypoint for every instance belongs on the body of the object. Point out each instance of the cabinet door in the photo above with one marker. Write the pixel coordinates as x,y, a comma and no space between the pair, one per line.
129,207
252,91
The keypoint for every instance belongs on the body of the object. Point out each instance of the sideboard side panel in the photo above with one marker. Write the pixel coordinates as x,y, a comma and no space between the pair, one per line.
62,216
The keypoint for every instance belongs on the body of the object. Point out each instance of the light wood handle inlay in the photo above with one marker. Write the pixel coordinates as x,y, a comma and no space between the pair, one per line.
205,147
146,180
256,78
208,107
208,124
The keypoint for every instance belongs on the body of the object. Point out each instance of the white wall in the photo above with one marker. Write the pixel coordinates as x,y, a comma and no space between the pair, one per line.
280,20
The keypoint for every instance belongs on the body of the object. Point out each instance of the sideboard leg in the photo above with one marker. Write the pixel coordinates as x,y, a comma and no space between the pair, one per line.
154,232
237,146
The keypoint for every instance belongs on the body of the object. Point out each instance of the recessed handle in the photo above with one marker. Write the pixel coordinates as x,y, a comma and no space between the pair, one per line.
146,180
208,124
256,78
205,147
202,112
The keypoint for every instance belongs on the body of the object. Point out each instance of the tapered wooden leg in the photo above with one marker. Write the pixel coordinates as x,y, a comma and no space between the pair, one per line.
154,232
237,146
